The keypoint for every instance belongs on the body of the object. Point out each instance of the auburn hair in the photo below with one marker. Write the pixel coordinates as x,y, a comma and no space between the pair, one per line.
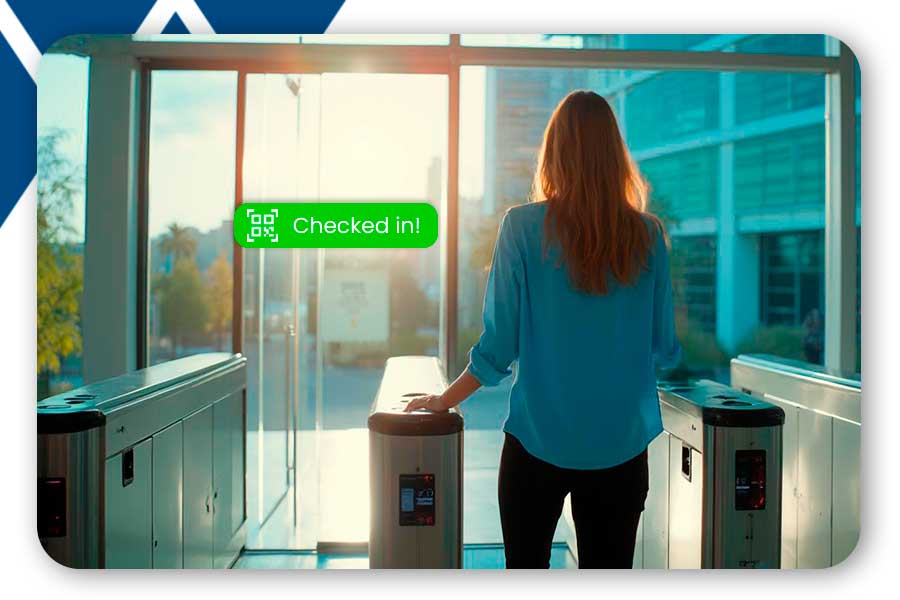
596,198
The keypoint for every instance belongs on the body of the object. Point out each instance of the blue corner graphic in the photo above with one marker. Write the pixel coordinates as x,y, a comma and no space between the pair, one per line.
47,21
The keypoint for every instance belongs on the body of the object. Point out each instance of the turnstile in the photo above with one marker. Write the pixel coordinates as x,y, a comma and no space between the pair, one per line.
415,472
146,470
715,481
822,441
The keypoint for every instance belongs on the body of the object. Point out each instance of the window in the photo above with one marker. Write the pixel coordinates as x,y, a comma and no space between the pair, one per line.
190,208
778,170
763,95
61,158
666,107
693,269
793,294
684,184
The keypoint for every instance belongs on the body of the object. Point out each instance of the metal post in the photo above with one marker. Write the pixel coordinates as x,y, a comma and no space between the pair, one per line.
840,214
143,234
450,226
237,260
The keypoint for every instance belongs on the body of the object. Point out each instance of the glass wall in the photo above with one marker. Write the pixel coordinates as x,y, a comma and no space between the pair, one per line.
61,159
736,164
190,212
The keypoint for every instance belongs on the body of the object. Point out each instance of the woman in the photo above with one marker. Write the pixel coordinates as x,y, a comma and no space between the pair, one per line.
579,294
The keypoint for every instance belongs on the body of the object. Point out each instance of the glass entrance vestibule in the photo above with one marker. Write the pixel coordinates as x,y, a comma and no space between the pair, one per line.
749,144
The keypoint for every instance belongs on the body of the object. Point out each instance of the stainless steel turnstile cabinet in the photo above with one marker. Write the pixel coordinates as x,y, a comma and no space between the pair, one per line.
146,470
415,472
715,481
822,436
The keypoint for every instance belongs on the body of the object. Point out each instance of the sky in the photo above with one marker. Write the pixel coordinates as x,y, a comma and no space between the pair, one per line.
353,137
62,103
343,137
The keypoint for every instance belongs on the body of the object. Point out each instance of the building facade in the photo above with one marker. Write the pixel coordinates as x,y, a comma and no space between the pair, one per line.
736,165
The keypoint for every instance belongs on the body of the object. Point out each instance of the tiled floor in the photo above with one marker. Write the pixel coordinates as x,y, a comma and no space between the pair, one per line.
476,557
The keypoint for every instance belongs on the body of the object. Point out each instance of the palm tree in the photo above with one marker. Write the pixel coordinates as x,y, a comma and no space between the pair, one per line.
179,242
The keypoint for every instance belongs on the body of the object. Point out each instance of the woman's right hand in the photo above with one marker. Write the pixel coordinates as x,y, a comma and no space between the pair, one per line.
432,402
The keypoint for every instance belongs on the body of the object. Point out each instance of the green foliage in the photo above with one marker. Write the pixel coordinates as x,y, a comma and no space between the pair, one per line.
699,348
182,302
219,286
781,340
59,268
179,242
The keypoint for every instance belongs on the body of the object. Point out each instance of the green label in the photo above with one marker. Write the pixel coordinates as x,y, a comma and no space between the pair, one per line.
336,225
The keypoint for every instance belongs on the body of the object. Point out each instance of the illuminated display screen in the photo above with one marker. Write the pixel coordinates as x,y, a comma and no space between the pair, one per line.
51,507
750,480
417,500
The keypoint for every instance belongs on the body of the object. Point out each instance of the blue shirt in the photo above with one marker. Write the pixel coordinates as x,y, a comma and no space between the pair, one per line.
584,395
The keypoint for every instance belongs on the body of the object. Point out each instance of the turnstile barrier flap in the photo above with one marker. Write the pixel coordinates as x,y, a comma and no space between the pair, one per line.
89,406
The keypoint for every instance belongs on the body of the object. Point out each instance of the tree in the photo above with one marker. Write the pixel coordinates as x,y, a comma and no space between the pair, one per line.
179,242
219,282
59,268
182,302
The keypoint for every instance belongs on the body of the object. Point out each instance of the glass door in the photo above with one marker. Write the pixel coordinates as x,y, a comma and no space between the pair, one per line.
323,322
280,161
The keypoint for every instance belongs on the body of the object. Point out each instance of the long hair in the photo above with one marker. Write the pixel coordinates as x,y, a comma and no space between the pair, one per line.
596,198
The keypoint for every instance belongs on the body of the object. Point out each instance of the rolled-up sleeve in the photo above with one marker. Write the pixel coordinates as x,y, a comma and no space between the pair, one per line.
497,348
666,348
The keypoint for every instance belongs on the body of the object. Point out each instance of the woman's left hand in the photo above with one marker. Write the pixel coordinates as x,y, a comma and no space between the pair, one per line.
432,402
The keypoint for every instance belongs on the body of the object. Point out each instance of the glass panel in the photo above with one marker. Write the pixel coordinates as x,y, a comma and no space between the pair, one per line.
745,147
280,164
402,39
813,45
62,96
190,207
383,138
324,138
793,295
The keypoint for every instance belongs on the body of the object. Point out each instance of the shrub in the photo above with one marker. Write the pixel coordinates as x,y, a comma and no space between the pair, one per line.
780,340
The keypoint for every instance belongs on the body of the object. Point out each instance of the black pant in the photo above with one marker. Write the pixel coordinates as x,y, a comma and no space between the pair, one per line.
606,506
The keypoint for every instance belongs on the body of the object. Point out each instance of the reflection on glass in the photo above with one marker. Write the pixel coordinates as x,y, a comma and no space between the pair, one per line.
280,165
191,200
61,156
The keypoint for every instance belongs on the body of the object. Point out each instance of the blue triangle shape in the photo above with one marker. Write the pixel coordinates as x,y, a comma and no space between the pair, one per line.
175,25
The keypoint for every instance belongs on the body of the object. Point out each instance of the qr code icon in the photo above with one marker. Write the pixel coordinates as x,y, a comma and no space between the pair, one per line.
262,225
